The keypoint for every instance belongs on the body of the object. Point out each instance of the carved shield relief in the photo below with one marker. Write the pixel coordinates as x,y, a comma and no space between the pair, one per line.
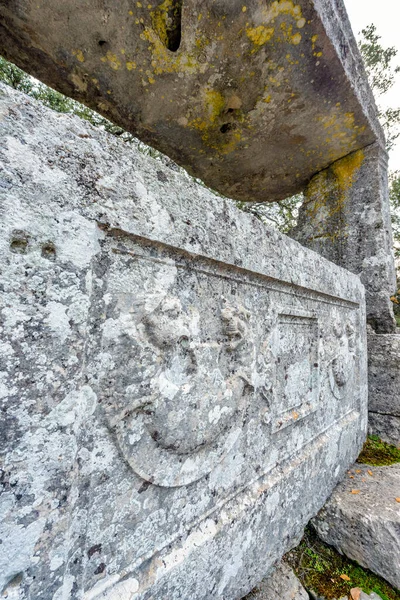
180,363
196,360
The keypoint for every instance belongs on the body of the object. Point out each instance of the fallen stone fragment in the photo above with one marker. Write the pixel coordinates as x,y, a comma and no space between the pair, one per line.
281,585
366,527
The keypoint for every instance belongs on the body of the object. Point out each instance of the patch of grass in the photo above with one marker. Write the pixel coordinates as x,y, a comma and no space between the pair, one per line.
397,317
378,453
319,567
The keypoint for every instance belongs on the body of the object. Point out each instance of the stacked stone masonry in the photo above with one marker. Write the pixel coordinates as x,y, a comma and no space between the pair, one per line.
182,387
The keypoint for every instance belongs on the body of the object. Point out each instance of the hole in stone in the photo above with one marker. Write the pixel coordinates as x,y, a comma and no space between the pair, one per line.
225,127
49,251
102,42
13,583
19,242
167,21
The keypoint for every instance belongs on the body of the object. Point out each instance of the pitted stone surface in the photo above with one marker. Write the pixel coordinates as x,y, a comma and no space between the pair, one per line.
281,585
253,97
362,520
386,427
384,374
182,387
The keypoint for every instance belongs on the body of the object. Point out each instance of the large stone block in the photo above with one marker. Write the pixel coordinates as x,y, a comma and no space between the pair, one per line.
227,88
362,520
384,374
182,387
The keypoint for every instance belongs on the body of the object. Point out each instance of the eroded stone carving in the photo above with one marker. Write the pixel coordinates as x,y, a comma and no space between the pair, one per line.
178,419
342,366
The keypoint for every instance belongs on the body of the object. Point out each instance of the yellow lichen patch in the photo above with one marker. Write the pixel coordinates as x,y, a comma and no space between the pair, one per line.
164,61
326,197
346,169
130,64
260,35
79,55
112,59
214,104
78,82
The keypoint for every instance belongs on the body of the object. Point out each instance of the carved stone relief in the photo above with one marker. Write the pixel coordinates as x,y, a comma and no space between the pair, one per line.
182,411
341,368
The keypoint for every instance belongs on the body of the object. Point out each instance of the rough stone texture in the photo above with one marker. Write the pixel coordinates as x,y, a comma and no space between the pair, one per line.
345,217
384,386
281,585
386,427
365,526
181,386
227,88
384,374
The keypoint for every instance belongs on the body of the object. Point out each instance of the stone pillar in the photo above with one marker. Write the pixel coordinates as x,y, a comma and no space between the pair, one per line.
384,386
345,217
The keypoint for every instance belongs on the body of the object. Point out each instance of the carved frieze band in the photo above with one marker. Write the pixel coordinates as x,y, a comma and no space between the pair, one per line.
186,364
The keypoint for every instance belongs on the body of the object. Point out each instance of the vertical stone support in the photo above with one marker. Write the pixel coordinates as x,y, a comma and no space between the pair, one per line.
345,217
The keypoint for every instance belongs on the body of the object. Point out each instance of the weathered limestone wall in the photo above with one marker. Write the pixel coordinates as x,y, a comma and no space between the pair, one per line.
345,217
384,386
181,387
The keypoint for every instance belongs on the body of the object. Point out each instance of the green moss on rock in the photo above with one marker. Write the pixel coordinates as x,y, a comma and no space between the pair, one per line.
378,453
320,568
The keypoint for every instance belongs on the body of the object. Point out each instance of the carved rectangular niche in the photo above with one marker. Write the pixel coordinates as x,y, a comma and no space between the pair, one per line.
297,374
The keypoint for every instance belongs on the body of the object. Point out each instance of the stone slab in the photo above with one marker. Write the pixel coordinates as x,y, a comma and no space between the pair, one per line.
282,584
181,386
362,520
253,97
384,374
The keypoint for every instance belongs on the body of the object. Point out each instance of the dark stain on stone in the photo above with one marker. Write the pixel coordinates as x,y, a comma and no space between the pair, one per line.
162,177
100,569
19,242
49,251
94,549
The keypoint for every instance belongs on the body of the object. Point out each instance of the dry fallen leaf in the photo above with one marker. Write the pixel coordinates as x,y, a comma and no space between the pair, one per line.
397,499
345,577
351,476
355,491
355,593
358,470
369,472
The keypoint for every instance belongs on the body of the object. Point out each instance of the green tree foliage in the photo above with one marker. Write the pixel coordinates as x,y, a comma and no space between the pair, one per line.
381,73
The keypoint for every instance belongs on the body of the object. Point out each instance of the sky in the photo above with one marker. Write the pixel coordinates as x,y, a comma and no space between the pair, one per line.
385,14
